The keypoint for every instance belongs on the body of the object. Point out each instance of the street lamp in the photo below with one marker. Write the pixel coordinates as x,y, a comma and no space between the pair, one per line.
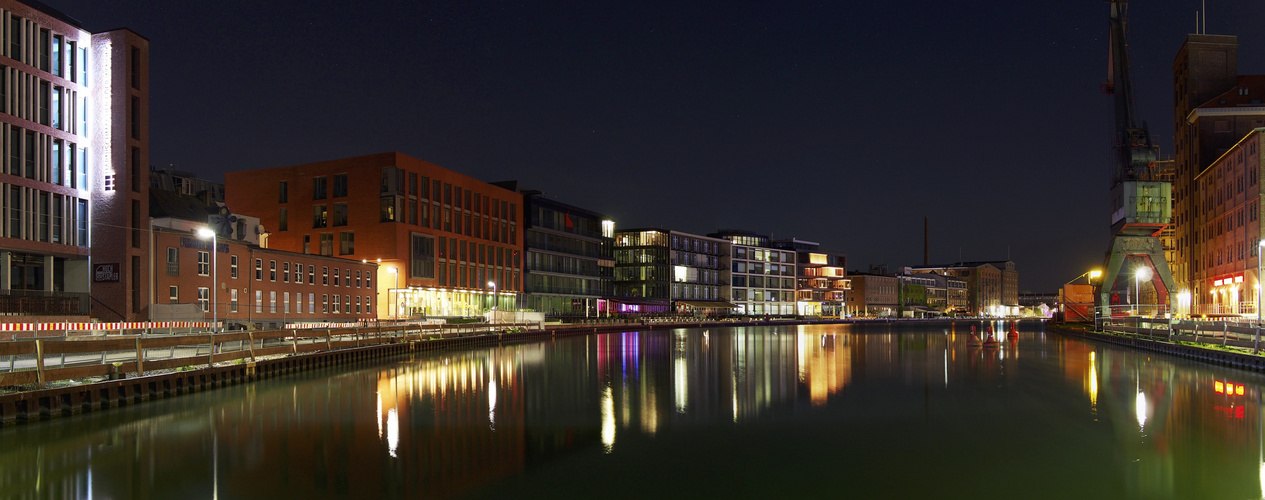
396,300
1140,275
206,233
1090,274
493,285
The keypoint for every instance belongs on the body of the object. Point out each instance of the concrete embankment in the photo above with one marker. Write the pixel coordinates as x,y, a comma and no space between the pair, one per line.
1207,355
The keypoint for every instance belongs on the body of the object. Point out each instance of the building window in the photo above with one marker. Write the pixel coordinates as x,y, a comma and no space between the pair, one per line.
272,302
387,211
311,303
311,275
173,262
259,269
422,256
272,270
283,221
327,244
307,243
336,305
346,243
285,272
357,279
232,300
173,294
357,304
232,266
340,214
318,188
285,298
204,263
340,185
136,117
284,195
368,306
336,280
324,303
204,298
319,216
259,301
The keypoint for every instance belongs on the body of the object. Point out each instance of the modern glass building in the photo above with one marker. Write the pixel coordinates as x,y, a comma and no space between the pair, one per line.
660,271
762,277
570,267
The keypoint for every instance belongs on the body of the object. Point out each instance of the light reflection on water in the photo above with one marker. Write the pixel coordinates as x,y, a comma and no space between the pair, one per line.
882,410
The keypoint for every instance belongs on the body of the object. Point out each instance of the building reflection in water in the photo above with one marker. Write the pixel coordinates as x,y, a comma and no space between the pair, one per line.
448,424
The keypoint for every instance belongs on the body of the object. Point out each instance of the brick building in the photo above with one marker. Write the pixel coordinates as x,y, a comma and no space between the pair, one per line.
73,117
448,244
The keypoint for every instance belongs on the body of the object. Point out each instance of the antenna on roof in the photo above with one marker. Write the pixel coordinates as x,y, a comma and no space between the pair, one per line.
1203,7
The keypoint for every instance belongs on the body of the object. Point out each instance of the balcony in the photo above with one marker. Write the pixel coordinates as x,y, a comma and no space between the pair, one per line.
42,303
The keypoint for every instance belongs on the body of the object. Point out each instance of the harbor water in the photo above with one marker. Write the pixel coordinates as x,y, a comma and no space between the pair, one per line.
894,410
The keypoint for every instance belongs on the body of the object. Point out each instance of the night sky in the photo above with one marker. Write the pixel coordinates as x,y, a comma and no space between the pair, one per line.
843,123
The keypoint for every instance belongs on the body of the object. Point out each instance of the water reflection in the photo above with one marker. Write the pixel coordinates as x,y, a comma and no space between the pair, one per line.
827,401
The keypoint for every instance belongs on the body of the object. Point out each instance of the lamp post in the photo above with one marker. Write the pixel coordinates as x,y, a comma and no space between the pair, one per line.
207,233
395,301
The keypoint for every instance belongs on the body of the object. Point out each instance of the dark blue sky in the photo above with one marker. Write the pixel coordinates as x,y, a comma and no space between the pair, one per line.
839,122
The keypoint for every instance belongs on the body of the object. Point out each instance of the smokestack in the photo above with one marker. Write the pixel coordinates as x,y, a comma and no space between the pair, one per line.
926,245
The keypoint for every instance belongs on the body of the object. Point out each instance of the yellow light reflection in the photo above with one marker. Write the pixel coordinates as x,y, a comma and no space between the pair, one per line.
393,431
1093,385
608,419
681,384
1140,408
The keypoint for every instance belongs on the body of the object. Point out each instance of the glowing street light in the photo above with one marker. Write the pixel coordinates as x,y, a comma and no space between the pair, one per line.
207,233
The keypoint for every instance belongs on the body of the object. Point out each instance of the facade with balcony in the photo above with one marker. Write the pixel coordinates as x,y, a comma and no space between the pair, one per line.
762,277
822,284
662,271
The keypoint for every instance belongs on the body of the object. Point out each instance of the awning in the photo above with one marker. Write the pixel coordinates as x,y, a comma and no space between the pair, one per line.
703,304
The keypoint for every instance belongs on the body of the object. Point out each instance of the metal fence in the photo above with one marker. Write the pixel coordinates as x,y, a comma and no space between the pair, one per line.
1227,331
39,361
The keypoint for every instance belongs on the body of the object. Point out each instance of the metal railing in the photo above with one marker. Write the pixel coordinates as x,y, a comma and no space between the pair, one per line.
1228,331
44,303
43,360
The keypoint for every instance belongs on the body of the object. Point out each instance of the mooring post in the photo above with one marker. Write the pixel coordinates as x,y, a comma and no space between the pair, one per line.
140,358
39,361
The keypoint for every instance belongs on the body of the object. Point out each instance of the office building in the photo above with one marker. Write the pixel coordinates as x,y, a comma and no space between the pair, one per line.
448,244
570,265
662,271
762,277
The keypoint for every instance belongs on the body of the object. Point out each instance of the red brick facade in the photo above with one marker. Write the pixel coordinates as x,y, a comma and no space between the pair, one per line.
264,287
440,236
